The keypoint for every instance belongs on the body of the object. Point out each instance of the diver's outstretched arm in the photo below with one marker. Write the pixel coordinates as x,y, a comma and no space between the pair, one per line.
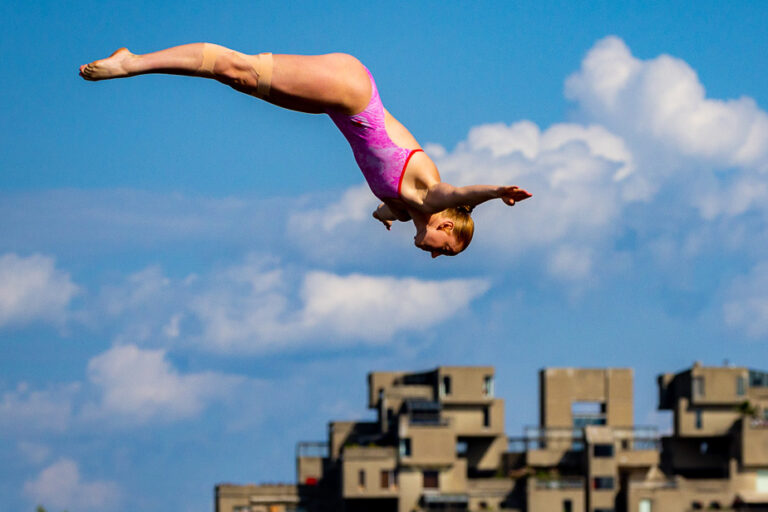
444,195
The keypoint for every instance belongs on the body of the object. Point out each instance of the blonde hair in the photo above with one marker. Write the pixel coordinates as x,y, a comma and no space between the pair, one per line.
463,225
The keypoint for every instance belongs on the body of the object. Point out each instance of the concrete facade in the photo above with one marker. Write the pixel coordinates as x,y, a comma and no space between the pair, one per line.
438,443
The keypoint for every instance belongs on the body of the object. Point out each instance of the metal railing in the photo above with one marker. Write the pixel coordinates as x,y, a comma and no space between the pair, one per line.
573,439
560,483
427,420
312,449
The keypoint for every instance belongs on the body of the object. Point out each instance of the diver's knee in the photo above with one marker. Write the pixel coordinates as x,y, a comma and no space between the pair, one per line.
251,74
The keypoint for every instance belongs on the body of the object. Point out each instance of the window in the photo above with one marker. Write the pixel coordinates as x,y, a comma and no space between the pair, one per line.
741,385
386,478
567,506
758,379
461,448
646,505
602,450
602,482
361,479
587,413
698,387
765,414
603,510
703,447
405,447
445,385
486,417
762,480
488,385
431,480
698,419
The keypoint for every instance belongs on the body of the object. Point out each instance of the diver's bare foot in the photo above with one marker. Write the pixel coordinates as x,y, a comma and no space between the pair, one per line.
114,66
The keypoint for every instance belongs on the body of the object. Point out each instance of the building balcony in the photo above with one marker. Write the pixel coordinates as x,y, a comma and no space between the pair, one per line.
312,449
372,452
754,442
558,483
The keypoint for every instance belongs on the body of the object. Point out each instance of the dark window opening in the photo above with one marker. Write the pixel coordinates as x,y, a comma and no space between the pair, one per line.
567,506
602,450
385,478
446,385
431,480
405,447
602,482
486,417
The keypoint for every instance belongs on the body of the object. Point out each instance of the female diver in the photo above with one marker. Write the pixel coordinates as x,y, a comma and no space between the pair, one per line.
394,165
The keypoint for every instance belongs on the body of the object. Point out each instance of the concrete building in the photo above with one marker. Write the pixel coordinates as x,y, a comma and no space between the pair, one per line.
717,456
438,443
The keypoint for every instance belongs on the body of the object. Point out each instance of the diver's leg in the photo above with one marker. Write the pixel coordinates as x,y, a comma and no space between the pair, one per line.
306,83
179,60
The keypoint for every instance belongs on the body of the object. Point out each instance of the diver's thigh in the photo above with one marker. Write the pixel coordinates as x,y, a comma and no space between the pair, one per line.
316,83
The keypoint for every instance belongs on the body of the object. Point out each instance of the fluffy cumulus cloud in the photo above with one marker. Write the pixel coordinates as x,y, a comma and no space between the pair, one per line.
375,308
24,409
141,385
261,305
32,288
125,386
253,308
61,486
662,100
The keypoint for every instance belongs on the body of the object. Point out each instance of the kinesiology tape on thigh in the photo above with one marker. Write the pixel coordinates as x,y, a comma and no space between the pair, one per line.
210,53
262,65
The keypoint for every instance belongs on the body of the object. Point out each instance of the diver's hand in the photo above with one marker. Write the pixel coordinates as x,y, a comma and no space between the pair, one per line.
387,223
512,195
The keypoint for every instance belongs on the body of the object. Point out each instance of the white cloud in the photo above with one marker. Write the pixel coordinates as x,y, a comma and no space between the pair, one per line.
375,308
125,386
32,289
251,308
571,263
29,410
661,99
356,204
746,305
142,385
60,486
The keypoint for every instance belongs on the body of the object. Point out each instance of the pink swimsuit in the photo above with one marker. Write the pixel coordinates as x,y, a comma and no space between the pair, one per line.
382,161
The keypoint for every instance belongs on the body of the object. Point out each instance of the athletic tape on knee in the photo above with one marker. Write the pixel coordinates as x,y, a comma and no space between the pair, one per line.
209,59
263,67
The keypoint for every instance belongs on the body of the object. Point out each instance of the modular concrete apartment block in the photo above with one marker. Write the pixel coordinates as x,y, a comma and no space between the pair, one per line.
439,443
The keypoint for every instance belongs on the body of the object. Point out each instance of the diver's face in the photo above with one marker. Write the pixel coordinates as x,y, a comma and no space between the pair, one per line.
438,240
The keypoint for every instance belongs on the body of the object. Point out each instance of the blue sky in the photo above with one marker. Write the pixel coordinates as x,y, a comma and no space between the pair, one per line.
190,281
